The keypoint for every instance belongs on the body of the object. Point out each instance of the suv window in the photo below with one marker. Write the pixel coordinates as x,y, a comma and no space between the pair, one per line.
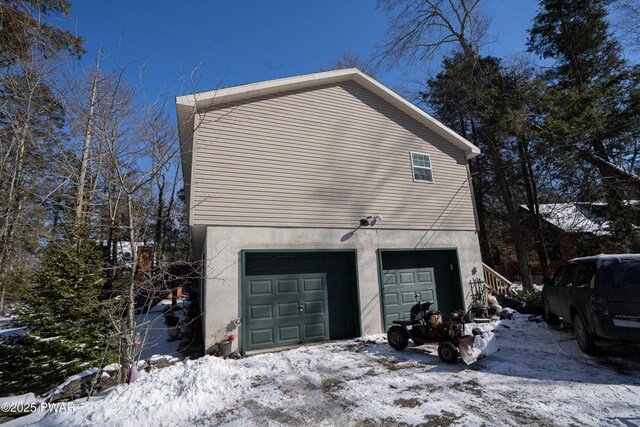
567,277
557,278
623,276
585,274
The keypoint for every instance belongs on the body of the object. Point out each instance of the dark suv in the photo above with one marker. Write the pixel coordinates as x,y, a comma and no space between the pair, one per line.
600,295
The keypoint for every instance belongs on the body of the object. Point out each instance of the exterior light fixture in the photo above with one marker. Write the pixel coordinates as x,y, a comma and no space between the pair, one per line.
370,220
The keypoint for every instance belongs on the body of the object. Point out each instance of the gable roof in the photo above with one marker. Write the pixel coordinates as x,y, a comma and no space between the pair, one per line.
573,217
580,217
187,105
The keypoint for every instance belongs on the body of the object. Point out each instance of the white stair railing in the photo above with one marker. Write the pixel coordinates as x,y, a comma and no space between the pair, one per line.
496,283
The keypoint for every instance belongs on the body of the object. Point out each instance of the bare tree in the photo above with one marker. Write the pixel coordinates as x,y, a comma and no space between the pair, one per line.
421,28
626,22
86,145
353,60
135,147
31,121
80,147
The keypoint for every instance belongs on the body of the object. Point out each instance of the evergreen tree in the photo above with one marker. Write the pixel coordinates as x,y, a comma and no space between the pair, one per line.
596,109
479,98
24,34
31,125
67,327
31,121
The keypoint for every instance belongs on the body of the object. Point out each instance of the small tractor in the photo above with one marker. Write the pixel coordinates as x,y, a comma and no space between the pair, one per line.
425,325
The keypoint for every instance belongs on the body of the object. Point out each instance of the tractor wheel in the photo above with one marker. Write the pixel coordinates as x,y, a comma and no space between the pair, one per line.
398,338
448,352
471,316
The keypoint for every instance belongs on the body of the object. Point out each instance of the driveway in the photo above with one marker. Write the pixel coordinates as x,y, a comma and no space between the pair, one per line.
539,377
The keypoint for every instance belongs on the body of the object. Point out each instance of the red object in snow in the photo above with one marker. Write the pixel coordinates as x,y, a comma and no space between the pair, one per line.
231,338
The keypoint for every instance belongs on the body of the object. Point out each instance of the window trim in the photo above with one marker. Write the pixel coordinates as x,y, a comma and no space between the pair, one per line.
413,175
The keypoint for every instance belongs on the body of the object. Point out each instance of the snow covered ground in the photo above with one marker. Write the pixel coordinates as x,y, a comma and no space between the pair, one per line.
157,341
539,377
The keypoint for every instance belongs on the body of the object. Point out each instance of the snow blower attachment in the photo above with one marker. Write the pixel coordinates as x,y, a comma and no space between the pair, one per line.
477,345
425,325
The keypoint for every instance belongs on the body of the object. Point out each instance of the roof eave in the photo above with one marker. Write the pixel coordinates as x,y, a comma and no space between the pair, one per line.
235,93
251,90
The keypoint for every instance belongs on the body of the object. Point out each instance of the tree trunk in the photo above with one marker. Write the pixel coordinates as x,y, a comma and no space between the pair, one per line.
512,213
134,263
169,210
12,211
4,289
606,168
478,191
123,354
478,182
84,161
159,225
113,252
528,180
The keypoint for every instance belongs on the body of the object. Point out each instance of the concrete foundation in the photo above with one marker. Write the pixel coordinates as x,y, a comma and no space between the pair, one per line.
221,293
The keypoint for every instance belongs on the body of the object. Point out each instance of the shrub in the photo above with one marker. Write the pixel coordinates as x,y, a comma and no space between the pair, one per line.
66,326
533,299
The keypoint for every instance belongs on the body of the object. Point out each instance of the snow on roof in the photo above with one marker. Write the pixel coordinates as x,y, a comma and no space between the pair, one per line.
574,217
609,258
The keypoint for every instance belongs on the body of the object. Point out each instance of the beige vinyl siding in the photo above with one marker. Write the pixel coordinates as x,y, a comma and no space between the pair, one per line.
324,157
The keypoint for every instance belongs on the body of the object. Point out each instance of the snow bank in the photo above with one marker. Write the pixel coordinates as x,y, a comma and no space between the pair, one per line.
536,379
23,399
175,395
372,339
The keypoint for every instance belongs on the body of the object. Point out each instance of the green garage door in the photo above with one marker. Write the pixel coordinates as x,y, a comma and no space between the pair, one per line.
403,288
428,274
297,297
286,309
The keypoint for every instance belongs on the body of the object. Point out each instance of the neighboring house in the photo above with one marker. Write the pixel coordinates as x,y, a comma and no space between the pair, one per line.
575,217
321,206
571,220
124,254
572,226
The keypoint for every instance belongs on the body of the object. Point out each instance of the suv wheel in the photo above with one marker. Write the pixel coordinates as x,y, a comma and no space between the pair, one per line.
583,337
549,317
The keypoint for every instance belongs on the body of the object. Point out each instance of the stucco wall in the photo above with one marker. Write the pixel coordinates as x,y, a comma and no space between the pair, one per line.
222,296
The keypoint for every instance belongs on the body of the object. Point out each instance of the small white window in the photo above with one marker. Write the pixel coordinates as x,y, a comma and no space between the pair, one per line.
421,166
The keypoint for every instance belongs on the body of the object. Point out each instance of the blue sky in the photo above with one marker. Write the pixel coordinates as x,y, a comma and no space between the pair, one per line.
247,41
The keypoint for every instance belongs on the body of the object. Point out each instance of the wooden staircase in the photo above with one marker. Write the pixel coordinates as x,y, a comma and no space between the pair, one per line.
495,282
